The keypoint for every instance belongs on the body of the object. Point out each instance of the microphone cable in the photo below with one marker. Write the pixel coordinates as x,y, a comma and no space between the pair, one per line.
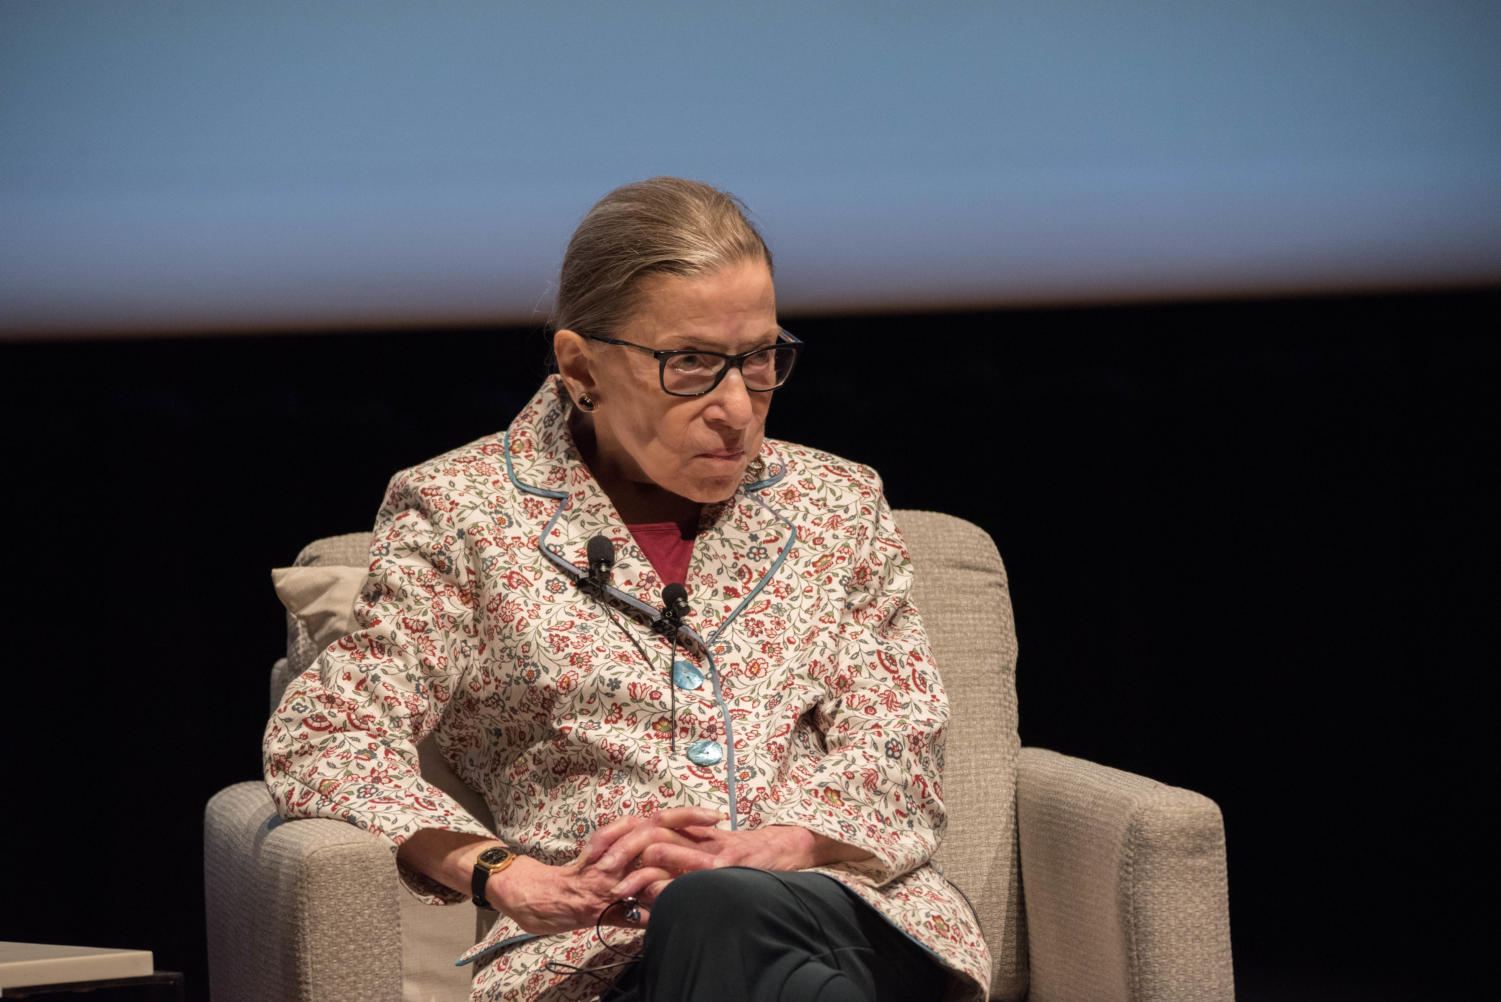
601,555
674,605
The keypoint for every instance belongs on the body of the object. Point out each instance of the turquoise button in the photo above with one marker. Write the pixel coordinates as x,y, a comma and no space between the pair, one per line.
705,752
685,676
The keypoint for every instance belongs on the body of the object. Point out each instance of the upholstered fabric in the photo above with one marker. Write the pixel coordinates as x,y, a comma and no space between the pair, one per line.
282,899
961,589
1124,877
1131,867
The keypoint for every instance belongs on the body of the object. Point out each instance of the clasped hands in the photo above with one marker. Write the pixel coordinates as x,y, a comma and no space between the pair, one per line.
635,857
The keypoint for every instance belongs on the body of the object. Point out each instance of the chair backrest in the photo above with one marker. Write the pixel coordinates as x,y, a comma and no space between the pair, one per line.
961,591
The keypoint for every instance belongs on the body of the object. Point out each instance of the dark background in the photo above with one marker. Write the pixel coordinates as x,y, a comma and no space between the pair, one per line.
1248,546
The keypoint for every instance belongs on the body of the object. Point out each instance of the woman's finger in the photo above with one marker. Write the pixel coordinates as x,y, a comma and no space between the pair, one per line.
679,817
634,883
648,895
632,843
607,836
677,858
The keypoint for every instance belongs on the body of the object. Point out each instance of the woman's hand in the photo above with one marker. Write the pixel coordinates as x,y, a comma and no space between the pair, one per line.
702,847
546,899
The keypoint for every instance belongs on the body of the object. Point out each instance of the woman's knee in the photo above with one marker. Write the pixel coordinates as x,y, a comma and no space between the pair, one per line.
709,894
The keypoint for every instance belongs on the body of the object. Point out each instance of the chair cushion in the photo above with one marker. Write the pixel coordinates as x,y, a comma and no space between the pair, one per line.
320,598
350,555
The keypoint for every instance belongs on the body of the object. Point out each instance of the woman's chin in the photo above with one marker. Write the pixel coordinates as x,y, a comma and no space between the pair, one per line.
711,490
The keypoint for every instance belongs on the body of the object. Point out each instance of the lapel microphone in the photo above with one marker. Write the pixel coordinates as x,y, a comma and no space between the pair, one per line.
674,605
601,559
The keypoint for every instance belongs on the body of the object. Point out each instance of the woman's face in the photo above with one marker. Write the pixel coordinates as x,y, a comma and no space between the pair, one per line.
694,447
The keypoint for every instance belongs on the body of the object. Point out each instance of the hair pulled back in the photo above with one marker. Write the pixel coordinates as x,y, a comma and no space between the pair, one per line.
660,226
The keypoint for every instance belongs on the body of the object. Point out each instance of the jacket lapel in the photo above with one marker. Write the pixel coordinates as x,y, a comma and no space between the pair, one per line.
738,542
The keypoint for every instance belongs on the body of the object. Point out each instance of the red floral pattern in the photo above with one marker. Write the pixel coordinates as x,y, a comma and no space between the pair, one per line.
831,705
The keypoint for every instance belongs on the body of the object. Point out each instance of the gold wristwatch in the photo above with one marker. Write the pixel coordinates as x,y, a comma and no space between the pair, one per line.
491,861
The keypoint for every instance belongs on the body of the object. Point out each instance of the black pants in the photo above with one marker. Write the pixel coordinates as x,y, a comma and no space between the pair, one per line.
758,936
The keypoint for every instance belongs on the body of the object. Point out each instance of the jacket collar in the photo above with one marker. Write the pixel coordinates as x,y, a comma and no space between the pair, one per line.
740,540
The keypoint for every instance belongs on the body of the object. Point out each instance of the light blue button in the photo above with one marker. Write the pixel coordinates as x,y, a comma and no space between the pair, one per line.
685,676
705,752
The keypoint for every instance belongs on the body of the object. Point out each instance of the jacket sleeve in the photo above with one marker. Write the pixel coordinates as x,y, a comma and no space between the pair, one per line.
882,710
343,742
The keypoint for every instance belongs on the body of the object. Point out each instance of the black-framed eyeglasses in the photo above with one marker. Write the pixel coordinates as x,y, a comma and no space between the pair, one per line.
692,372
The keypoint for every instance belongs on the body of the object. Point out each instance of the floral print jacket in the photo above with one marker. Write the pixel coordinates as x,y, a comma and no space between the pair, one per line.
819,703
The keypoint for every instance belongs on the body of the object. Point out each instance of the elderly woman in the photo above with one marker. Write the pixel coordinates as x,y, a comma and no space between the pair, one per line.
676,658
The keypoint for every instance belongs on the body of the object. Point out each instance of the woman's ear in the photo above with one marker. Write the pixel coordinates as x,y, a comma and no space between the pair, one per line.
574,363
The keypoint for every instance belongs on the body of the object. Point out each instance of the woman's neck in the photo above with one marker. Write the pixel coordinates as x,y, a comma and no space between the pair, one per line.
637,501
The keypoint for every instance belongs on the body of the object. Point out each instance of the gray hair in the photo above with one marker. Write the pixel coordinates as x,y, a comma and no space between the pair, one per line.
661,226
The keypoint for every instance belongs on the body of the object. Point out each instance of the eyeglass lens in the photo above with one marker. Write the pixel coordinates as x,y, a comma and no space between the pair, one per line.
690,373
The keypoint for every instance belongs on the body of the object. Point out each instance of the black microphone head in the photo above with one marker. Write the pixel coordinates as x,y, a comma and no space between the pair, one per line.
601,552
674,608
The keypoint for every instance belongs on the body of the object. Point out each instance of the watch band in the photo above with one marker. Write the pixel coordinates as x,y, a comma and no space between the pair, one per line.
491,861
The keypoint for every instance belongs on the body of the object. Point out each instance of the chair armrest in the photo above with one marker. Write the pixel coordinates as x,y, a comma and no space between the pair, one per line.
298,910
1124,886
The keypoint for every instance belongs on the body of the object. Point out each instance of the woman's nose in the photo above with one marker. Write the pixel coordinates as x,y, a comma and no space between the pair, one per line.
730,401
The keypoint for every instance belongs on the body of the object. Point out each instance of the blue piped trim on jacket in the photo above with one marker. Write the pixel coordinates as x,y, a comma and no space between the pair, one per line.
492,948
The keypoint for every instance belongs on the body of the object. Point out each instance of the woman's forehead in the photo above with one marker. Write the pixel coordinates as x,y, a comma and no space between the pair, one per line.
731,309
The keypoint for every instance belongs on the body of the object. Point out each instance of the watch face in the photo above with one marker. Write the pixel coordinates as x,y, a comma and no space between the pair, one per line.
494,856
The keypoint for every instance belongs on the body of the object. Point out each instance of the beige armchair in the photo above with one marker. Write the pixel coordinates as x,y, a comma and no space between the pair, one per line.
1091,884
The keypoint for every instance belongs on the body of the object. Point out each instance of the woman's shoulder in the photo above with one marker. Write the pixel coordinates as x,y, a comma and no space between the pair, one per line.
483,458
471,468
817,472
